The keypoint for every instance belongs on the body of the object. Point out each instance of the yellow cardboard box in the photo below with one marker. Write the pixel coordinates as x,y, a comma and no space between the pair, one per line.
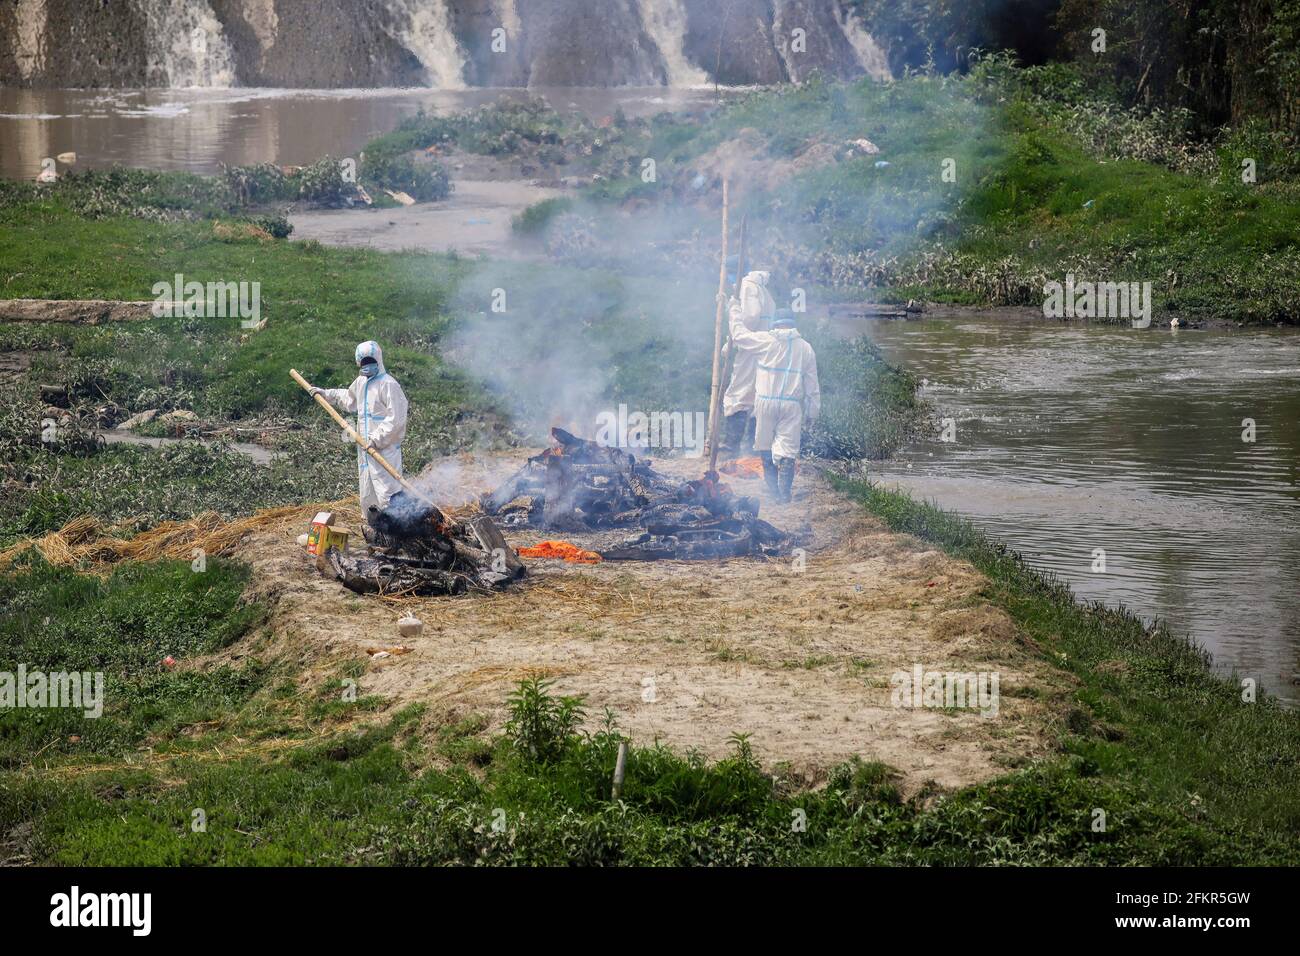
323,535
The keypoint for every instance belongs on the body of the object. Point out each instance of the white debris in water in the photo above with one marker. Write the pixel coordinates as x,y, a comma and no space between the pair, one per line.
160,110
665,21
187,44
424,28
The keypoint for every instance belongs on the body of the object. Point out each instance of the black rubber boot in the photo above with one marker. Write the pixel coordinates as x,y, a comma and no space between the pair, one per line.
747,443
733,430
784,478
769,472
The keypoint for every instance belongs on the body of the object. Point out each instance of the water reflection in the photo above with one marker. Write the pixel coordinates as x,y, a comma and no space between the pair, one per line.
196,130
1073,438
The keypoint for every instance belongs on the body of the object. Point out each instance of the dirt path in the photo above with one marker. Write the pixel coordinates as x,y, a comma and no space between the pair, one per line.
75,311
119,436
476,220
689,653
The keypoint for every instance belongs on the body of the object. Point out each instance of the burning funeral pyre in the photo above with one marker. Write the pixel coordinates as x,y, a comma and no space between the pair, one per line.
579,485
416,549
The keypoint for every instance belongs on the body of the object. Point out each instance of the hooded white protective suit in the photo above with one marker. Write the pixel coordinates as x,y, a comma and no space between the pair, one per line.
755,308
786,387
380,406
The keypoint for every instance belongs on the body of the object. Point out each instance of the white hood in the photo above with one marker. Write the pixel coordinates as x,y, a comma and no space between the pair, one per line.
756,303
371,350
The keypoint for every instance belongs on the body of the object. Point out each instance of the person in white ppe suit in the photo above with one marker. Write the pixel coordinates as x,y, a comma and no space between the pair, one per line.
755,308
380,406
787,395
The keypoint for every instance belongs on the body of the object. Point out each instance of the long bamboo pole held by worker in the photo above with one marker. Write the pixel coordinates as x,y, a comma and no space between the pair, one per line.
356,437
715,396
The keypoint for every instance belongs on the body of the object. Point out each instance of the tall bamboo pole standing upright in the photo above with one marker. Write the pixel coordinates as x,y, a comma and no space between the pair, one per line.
729,347
715,396
740,258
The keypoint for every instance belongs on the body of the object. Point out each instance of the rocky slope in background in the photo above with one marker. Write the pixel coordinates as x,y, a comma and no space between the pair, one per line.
442,43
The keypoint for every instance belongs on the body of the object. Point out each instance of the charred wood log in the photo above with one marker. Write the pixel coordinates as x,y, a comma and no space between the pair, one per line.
585,486
559,493
523,510
504,563
425,547
379,576
528,481
417,549
687,545
581,451
648,550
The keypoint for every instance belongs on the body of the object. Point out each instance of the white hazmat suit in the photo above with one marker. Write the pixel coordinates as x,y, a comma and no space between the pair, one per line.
755,308
380,406
786,387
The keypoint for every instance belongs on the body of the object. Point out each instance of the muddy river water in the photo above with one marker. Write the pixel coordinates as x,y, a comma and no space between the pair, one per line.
1069,441
198,129
1073,440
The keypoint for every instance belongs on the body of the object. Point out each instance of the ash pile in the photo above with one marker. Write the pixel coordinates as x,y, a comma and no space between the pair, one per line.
416,549
578,485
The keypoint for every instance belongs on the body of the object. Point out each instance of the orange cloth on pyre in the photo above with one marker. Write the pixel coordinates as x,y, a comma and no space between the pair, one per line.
561,549
743,468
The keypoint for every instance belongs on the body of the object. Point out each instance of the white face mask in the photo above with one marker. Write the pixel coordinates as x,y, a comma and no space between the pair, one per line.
370,369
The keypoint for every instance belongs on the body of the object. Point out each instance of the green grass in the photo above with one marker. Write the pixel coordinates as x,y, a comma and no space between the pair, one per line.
318,304
56,620
367,796
534,220
1184,771
316,805
142,487
1210,247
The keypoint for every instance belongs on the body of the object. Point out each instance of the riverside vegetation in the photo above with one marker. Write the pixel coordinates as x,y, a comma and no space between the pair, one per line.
986,185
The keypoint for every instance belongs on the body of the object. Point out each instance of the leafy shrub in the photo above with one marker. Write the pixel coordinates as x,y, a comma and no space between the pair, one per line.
423,181
1094,111
1276,155
322,182
534,220
45,510
277,225
524,128
138,193
262,182
542,727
